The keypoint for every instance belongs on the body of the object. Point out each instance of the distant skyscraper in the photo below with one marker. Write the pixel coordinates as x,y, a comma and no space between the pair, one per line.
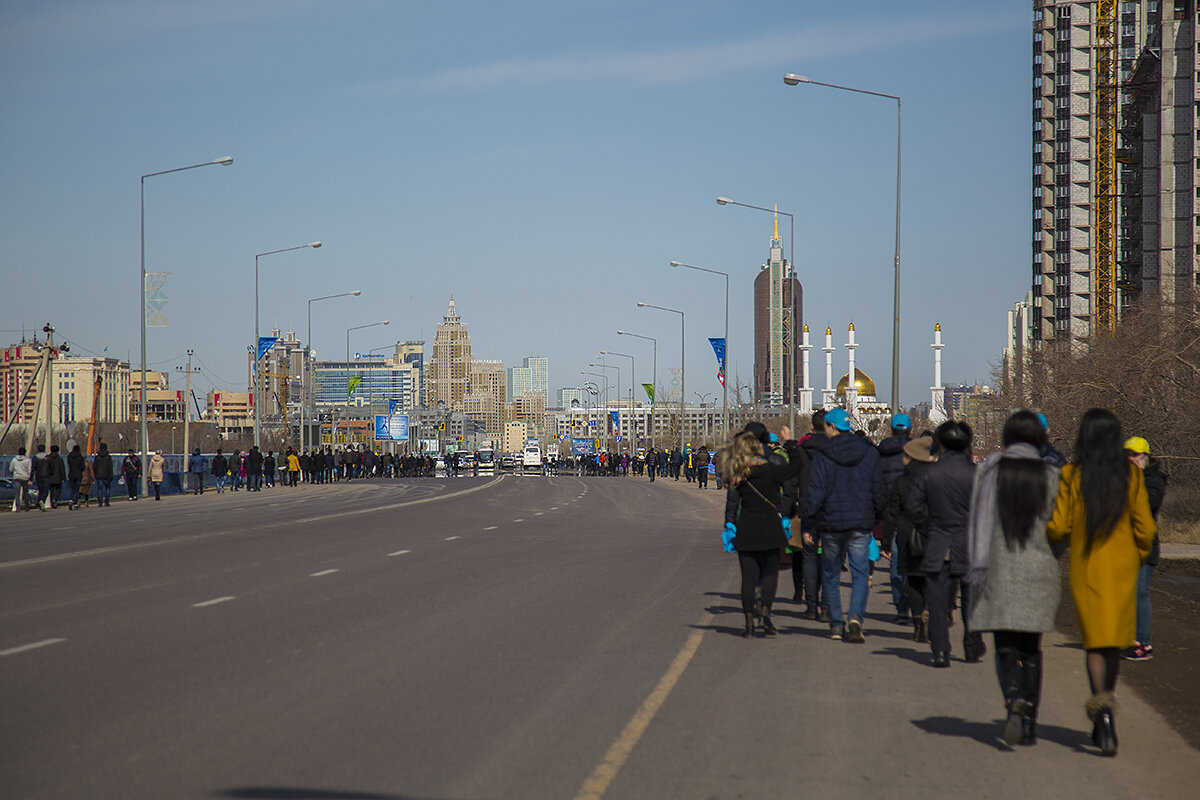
565,396
774,381
532,377
448,372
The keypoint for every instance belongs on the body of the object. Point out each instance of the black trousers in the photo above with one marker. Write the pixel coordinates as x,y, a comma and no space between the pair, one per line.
937,600
759,568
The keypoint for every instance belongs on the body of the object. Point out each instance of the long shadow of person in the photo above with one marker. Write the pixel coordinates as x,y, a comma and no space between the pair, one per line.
990,733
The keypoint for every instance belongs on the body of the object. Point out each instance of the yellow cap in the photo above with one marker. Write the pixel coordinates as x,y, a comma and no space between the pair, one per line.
1137,444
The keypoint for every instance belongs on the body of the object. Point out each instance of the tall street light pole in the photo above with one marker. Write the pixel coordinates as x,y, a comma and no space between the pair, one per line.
355,328
682,362
792,79
223,161
789,368
632,383
725,379
618,369
304,368
257,353
653,377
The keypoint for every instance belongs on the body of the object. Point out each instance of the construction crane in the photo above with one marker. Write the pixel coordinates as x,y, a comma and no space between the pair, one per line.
1104,289
91,444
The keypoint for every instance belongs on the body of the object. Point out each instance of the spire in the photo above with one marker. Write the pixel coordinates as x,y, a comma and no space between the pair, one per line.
776,236
451,317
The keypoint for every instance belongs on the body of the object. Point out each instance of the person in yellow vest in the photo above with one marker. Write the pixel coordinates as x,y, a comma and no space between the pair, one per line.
293,465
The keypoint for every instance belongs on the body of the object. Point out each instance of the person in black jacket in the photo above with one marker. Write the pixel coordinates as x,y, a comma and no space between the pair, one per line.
57,474
1137,449
896,523
845,500
891,458
755,526
254,467
939,505
75,463
220,470
815,605
102,468
131,471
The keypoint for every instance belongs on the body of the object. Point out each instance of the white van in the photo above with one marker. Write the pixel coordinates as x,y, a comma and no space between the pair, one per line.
531,459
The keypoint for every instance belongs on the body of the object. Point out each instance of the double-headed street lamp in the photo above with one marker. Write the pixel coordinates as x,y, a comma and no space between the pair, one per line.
223,161
682,362
606,411
724,367
355,328
792,79
632,383
257,349
789,367
653,378
304,368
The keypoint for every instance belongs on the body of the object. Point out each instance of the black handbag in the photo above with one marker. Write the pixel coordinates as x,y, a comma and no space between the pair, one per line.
916,543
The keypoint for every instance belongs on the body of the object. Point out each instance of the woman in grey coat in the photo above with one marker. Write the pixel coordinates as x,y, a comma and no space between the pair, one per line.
1013,574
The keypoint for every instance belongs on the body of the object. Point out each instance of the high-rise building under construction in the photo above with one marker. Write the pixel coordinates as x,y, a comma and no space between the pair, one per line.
1115,160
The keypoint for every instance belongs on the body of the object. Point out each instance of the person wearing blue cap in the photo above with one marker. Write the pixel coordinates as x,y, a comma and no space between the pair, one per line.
1049,453
845,499
891,455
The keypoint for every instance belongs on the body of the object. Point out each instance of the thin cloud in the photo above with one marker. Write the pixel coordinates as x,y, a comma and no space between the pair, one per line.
688,63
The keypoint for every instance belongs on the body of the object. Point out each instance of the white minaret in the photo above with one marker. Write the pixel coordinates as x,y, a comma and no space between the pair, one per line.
806,392
829,396
852,381
937,409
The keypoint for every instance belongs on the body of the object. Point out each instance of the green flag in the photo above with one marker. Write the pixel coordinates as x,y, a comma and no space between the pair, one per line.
353,384
649,387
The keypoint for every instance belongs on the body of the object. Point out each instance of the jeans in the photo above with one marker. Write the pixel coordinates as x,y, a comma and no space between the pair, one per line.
854,543
73,486
220,479
21,500
255,482
1143,603
899,597
103,490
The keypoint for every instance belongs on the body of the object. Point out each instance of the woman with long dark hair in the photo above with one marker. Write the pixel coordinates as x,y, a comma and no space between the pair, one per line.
755,525
1013,575
1104,512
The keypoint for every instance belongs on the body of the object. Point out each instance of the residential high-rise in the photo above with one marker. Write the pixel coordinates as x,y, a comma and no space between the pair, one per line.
533,376
485,400
774,286
1114,160
448,371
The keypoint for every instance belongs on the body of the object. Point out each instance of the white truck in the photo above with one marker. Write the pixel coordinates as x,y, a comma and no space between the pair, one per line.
531,458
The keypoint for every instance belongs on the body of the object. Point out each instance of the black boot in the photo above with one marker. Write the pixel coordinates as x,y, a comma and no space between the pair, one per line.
767,625
748,633
1031,692
1101,710
1008,671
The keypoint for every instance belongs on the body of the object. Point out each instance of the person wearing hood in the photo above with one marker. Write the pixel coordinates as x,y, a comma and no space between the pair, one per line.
196,468
157,466
102,468
845,500
891,456
1013,575
908,551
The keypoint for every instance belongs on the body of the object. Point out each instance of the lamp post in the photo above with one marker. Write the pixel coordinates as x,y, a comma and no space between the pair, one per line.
653,378
790,366
304,368
257,351
792,79
725,377
223,161
618,369
355,328
682,362
632,383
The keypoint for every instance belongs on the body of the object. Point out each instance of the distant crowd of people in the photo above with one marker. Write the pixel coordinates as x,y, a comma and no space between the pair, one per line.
989,533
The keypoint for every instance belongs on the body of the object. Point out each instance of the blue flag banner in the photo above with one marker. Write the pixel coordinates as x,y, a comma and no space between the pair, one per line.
392,406
265,343
718,346
616,420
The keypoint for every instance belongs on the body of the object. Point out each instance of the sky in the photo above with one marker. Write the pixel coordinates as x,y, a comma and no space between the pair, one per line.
541,161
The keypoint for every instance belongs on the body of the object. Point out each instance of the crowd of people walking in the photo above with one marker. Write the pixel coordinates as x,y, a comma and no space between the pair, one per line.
986,536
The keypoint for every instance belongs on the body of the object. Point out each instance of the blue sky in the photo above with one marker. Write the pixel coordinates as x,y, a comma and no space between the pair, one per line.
542,162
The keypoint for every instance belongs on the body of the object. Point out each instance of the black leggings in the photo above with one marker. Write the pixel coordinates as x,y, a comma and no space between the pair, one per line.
759,568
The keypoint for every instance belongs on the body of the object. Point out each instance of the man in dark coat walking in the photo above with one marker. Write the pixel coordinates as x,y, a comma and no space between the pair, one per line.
891,455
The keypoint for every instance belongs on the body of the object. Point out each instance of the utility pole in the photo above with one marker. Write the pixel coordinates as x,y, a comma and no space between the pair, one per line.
187,393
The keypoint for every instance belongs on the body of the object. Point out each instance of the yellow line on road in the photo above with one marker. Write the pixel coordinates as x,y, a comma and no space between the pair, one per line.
606,771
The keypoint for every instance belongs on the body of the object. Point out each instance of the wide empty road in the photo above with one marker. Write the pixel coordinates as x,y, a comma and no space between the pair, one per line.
486,638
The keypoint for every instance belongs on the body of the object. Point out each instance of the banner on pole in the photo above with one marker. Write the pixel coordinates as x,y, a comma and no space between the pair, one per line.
156,299
354,381
649,391
265,343
718,346
616,420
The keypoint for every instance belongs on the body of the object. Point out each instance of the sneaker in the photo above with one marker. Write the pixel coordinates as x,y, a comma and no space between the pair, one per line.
1139,652
854,632
808,613
835,632
823,614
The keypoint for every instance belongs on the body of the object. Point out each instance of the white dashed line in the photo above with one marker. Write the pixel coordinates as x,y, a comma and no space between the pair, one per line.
538,514
490,528
12,651
518,520
399,552
554,508
212,602
323,572
452,538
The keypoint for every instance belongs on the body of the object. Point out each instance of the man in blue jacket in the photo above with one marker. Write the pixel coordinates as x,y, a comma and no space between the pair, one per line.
845,499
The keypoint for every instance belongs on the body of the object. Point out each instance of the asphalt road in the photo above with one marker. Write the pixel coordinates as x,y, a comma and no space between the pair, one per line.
485,638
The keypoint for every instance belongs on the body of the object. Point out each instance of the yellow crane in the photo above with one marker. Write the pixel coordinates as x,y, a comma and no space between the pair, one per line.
1104,288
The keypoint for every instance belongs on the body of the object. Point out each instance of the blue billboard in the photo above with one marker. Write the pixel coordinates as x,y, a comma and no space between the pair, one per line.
391,428
582,447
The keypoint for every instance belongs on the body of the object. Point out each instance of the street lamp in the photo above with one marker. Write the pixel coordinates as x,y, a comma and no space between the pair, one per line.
307,350
257,349
790,366
618,369
355,328
223,161
792,79
724,366
653,378
632,383
682,362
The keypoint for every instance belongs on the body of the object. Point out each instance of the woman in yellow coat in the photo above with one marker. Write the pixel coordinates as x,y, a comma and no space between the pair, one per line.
1104,512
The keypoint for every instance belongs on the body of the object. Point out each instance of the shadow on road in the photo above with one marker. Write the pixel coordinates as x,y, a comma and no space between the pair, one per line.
298,793
989,733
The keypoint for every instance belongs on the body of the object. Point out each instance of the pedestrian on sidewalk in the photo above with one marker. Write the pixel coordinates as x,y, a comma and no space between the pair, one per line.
220,470
131,471
157,468
85,484
57,475
755,525
41,475
891,455
909,549
1103,511
816,607
1137,450
196,469
102,466
75,462
1013,575
22,470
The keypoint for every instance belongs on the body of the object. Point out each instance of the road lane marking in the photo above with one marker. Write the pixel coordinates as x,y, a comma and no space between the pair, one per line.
212,602
490,528
399,552
518,520
598,782
323,572
538,514
451,538
12,651
554,508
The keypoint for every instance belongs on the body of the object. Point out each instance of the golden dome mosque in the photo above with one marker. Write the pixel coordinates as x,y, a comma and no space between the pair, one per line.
871,415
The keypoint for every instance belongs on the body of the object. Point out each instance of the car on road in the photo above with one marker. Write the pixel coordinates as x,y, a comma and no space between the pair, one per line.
508,462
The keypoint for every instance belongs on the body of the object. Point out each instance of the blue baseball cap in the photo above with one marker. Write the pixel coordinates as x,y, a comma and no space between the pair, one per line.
1045,422
838,418
901,422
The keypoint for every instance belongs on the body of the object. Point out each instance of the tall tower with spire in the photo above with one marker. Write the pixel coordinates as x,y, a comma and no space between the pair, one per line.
448,372
776,382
